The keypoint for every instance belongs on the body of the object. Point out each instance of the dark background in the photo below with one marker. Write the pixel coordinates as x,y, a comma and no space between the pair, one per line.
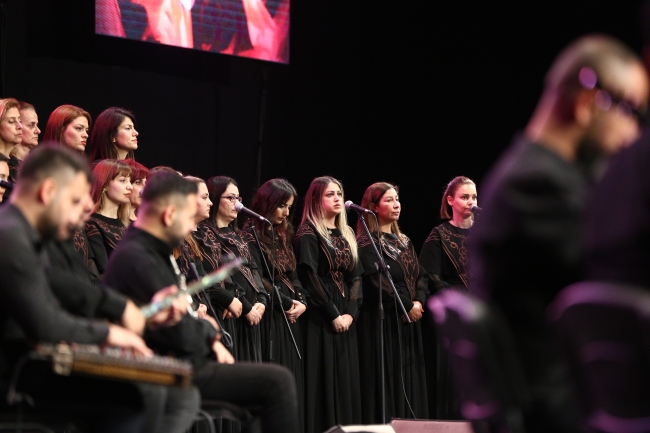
410,92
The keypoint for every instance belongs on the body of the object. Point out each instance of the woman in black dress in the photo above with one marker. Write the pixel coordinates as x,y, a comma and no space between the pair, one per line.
111,193
222,226
444,257
404,375
330,272
275,200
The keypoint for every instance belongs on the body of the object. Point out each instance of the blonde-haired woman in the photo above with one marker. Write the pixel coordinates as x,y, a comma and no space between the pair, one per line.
111,194
404,371
10,127
329,270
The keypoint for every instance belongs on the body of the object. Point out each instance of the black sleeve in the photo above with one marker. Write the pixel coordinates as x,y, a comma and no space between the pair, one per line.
96,244
26,297
431,257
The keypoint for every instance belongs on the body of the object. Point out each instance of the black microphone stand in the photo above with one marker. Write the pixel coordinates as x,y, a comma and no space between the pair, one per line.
380,265
276,290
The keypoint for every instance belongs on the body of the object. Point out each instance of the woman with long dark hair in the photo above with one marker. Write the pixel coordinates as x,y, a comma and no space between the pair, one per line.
330,272
275,200
222,225
114,135
404,374
111,192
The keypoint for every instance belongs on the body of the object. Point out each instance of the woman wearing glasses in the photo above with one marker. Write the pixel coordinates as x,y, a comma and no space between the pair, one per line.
222,224
275,200
404,376
329,270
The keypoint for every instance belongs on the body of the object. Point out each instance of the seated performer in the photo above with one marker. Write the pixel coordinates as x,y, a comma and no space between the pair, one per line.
48,202
143,263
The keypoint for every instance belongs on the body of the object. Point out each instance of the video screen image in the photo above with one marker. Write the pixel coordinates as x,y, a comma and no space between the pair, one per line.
256,29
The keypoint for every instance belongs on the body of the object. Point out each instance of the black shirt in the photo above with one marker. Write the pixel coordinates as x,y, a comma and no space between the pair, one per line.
139,267
30,310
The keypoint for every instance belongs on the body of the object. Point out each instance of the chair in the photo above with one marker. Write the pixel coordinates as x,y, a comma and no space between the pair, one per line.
213,412
604,331
485,370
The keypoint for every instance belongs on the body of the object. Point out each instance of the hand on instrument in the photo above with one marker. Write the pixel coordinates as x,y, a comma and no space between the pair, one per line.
172,315
122,337
297,308
223,355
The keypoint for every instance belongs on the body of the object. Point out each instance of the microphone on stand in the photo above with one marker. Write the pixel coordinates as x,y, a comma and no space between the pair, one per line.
351,206
475,209
6,184
241,208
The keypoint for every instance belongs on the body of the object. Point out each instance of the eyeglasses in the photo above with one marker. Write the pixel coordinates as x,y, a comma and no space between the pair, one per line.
232,198
605,99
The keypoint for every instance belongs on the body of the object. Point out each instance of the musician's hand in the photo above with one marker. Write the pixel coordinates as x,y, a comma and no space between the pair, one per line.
132,318
202,311
223,355
172,315
297,308
253,317
416,312
340,324
122,337
235,308
261,308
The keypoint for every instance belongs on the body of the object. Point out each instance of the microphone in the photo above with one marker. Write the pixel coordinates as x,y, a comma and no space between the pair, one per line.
475,209
239,207
351,206
6,184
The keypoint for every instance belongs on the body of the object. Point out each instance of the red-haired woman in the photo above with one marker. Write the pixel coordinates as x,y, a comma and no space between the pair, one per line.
114,135
139,175
222,227
68,125
329,270
404,374
275,200
111,194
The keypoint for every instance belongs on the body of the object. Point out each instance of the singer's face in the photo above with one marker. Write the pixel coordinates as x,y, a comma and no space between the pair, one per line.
29,121
138,186
126,137
4,175
227,212
332,200
388,209
282,212
463,200
76,134
203,204
119,190
11,127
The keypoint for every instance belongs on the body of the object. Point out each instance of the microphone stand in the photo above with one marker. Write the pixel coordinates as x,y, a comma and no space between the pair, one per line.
380,265
275,289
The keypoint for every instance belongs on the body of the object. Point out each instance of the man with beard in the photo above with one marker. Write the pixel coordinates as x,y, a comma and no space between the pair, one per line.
142,263
48,199
525,245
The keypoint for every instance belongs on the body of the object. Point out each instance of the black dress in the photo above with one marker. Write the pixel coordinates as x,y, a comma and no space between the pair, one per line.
274,326
103,235
247,338
404,371
330,276
444,258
